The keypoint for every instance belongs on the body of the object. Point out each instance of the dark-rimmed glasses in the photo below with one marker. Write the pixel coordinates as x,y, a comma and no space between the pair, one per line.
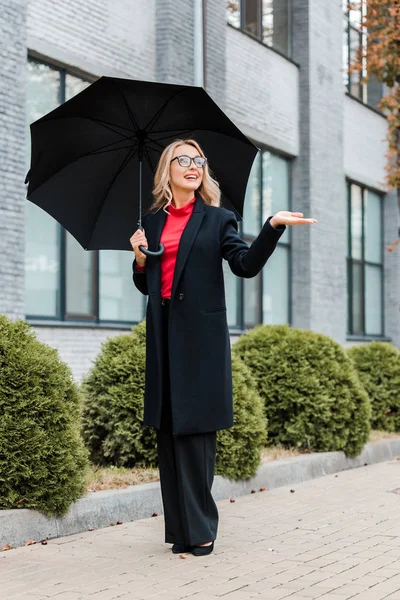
186,161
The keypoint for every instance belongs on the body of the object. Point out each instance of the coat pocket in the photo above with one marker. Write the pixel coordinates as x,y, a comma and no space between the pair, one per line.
214,310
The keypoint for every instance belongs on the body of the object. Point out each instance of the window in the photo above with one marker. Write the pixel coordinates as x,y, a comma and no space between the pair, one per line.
365,262
267,20
63,281
266,297
354,39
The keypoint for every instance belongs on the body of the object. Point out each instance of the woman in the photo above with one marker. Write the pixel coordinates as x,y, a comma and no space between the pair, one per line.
188,390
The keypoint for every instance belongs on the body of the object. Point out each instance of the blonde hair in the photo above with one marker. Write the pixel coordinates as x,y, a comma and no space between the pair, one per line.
162,193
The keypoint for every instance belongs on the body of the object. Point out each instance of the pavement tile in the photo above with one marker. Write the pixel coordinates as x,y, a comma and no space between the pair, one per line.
336,538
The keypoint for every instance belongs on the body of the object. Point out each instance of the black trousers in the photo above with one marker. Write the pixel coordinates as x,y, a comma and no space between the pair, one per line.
186,464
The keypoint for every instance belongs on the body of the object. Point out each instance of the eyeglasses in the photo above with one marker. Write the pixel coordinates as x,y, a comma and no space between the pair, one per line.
186,161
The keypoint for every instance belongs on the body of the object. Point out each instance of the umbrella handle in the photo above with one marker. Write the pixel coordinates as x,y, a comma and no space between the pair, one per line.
150,253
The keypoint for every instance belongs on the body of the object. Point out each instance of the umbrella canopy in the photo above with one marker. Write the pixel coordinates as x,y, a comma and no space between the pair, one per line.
93,158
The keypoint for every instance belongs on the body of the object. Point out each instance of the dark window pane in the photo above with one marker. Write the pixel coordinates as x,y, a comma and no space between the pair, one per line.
373,227
355,77
357,298
231,295
42,263
252,203
374,91
275,24
252,301
233,12
373,300
74,85
275,182
276,287
252,17
80,288
268,21
345,54
119,299
356,221
42,232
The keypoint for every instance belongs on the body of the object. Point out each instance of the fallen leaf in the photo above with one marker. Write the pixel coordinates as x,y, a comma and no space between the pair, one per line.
90,529
182,556
154,514
6,547
29,543
119,522
292,491
44,542
262,489
253,491
232,500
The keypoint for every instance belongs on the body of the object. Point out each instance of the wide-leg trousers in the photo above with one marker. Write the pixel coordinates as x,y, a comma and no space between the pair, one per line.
186,464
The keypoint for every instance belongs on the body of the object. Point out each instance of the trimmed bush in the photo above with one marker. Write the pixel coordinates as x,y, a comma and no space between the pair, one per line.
313,397
378,367
42,456
239,447
113,412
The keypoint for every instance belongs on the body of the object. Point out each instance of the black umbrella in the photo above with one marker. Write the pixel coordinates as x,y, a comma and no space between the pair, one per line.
93,158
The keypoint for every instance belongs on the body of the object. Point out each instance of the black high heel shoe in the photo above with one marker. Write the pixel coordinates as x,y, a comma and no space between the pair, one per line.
181,548
202,550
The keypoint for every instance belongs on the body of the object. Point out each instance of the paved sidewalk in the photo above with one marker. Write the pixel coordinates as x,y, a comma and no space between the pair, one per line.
336,537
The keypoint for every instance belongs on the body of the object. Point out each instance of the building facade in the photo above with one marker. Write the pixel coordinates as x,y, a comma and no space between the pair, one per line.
278,68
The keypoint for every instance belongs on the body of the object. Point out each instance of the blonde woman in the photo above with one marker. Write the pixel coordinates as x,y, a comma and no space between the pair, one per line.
188,395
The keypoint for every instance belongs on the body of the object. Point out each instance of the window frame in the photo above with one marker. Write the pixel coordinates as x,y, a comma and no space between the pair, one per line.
363,264
248,238
259,38
63,317
362,97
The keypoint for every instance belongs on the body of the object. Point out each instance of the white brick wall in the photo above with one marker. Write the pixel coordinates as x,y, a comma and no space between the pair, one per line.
262,90
98,36
78,347
12,155
364,133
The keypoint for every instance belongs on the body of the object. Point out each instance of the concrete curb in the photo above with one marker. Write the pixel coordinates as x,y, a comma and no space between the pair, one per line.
100,509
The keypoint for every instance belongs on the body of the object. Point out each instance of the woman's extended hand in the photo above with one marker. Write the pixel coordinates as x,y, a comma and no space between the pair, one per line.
285,217
139,239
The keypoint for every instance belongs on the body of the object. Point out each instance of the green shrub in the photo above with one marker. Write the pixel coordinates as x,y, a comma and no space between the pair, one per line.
42,456
113,408
378,367
313,397
239,447
113,413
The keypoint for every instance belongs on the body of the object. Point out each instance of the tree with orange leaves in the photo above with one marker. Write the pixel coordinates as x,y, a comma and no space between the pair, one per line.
381,54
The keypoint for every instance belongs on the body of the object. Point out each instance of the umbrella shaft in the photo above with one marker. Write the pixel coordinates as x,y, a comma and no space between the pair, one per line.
140,194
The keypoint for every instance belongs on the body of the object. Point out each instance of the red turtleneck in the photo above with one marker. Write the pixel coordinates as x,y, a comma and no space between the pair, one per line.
170,237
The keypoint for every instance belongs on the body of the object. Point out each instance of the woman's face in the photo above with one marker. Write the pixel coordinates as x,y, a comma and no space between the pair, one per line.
185,178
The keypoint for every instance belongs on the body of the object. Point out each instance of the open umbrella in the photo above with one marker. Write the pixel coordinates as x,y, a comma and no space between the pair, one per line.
93,158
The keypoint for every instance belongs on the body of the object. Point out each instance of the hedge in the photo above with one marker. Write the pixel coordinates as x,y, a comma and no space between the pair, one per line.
378,367
42,457
313,397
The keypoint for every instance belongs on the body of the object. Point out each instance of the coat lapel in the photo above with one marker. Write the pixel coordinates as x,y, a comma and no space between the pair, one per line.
187,239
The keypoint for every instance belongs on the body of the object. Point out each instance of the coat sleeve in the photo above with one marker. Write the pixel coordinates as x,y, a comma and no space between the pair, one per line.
139,279
245,261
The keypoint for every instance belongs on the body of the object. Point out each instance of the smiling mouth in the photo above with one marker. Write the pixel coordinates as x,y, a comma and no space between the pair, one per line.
191,177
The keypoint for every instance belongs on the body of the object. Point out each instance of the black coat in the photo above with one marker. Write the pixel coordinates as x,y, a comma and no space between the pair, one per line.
198,335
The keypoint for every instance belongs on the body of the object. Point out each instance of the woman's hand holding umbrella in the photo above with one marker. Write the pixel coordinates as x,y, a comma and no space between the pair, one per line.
139,239
285,217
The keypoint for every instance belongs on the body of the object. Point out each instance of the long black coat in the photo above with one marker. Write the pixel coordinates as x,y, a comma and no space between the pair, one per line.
198,336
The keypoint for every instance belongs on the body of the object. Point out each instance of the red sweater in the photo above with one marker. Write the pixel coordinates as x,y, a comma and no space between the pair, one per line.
170,237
